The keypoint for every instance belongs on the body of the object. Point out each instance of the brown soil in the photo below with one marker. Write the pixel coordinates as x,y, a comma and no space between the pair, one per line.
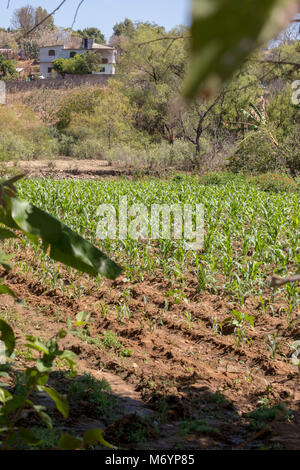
194,385
66,168
71,168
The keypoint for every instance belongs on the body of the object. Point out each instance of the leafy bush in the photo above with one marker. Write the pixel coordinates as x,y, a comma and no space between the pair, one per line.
32,49
87,148
45,103
7,69
220,178
261,417
37,145
22,136
274,182
72,250
80,64
109,118
257,153
63,142
14,147
176,155
142,153
293,163
79,101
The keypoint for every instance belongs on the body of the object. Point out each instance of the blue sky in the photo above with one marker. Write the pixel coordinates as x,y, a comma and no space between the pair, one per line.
104,14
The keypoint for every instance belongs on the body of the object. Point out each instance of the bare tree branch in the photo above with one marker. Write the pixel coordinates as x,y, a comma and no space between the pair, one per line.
277,281
48,16
76,13
43,20
170,38
279,62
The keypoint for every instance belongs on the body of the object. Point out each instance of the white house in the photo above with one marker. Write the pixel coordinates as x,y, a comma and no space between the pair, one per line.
50,53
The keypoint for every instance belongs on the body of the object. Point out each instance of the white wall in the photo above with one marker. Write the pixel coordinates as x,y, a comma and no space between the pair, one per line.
109,69
44,69
60,52
109,54
44,53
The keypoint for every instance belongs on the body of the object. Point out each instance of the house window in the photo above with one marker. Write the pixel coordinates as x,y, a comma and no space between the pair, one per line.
104,61
72,54
50,69
52,53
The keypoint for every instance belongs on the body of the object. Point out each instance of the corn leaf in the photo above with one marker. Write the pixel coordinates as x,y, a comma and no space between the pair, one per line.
224,33
65,245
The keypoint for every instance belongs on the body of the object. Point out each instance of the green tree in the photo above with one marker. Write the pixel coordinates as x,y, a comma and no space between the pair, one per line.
151,68
7,69
125,28
94,33
80,64
111,119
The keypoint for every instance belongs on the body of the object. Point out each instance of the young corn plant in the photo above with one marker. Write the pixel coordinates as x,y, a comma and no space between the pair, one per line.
189,318
123,312
296,353
34,379
65,246
216,326
272,344
293,297
236,324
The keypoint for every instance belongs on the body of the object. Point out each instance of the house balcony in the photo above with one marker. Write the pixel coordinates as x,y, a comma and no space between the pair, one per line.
107,69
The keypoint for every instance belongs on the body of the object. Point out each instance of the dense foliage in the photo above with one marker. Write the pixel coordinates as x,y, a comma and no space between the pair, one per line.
94,33
80,64
249,124
7,69
251,227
